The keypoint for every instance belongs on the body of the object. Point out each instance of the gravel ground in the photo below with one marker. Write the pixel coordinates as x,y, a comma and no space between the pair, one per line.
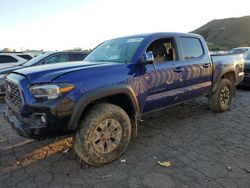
205,149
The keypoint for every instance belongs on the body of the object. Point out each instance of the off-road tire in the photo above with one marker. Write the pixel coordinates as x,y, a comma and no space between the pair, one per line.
215,99
84,142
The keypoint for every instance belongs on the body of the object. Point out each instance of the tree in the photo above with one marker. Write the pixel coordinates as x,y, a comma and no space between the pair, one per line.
7,50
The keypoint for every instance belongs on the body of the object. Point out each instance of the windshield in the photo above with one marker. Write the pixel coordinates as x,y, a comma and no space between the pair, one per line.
36,59
117,50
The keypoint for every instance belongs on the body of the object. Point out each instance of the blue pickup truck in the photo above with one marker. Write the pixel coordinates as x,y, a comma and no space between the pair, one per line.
101,99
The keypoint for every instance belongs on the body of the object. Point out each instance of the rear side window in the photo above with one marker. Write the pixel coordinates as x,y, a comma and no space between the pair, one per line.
192,47
7,59
77,57
27,57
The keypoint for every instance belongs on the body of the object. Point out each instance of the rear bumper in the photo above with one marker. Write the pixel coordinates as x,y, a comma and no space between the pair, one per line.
246,80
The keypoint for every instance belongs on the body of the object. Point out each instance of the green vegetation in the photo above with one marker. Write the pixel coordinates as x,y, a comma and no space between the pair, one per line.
225,34
215,47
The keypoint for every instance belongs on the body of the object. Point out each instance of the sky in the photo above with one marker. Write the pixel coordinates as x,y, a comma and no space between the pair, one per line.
67,24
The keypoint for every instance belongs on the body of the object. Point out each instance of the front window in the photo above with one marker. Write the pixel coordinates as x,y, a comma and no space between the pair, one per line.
36,59
163,50
117,50
57,59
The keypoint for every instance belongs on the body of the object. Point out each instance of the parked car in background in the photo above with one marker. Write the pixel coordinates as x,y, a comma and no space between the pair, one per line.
9,59
43,59
218,52
246,80
102,98
241,50
245,51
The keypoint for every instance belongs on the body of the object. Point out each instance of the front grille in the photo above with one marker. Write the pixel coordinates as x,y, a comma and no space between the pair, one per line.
2,87
13,96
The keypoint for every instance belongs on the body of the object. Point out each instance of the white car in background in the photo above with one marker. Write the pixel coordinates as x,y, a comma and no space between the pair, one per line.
10,59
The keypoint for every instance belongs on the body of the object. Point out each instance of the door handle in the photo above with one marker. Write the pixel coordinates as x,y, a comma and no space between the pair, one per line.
179,69
206,65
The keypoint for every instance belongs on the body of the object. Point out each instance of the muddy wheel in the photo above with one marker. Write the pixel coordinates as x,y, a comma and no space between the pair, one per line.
220,100
103,135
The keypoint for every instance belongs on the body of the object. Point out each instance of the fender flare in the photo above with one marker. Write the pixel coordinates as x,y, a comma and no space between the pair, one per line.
219,77
100,93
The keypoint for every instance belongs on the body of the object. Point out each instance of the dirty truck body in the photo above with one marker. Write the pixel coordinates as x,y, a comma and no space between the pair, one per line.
102,98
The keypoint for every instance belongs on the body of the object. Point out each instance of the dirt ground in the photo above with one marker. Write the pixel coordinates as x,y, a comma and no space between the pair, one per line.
205,149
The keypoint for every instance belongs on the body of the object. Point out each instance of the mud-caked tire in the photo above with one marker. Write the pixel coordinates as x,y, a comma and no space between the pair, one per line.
103,134
220,100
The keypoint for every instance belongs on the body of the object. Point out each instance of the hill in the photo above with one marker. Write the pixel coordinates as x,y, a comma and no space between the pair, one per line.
226,33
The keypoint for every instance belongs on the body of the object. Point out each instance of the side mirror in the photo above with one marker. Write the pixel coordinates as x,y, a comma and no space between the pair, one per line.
147,58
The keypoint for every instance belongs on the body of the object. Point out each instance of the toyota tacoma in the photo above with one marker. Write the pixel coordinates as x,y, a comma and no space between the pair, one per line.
101,99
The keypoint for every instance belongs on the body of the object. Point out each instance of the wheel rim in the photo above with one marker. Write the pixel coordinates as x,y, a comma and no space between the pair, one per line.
107,135
225,96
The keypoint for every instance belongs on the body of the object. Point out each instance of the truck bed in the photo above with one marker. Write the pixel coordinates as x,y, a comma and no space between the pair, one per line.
227,61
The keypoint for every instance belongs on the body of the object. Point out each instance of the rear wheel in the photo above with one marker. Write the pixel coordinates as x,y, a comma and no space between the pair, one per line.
103,135
220,100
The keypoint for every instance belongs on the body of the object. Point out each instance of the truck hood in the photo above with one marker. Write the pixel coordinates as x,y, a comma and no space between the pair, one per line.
47,73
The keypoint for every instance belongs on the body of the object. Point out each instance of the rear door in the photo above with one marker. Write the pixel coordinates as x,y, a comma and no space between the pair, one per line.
197,66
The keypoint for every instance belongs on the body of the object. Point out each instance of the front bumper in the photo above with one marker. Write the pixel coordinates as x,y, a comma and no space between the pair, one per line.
25,127
42,119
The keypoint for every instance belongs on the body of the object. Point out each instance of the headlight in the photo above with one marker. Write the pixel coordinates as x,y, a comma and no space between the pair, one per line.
50,91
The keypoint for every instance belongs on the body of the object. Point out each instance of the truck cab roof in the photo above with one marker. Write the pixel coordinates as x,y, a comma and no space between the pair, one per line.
161,34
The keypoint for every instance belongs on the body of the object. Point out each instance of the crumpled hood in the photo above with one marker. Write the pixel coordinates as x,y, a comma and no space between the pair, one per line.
47,73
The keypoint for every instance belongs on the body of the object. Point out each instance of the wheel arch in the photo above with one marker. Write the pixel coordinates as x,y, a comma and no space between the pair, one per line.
122,95
230,75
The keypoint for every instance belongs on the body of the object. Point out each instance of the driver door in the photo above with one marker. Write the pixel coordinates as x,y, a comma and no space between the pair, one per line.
163,78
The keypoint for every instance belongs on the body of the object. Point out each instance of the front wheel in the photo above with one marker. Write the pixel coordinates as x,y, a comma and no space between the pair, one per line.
104,134
220,100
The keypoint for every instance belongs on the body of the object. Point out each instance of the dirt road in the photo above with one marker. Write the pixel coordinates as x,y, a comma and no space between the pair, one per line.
205,149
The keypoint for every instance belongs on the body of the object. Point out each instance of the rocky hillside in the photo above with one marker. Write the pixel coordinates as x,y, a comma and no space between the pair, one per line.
226,33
